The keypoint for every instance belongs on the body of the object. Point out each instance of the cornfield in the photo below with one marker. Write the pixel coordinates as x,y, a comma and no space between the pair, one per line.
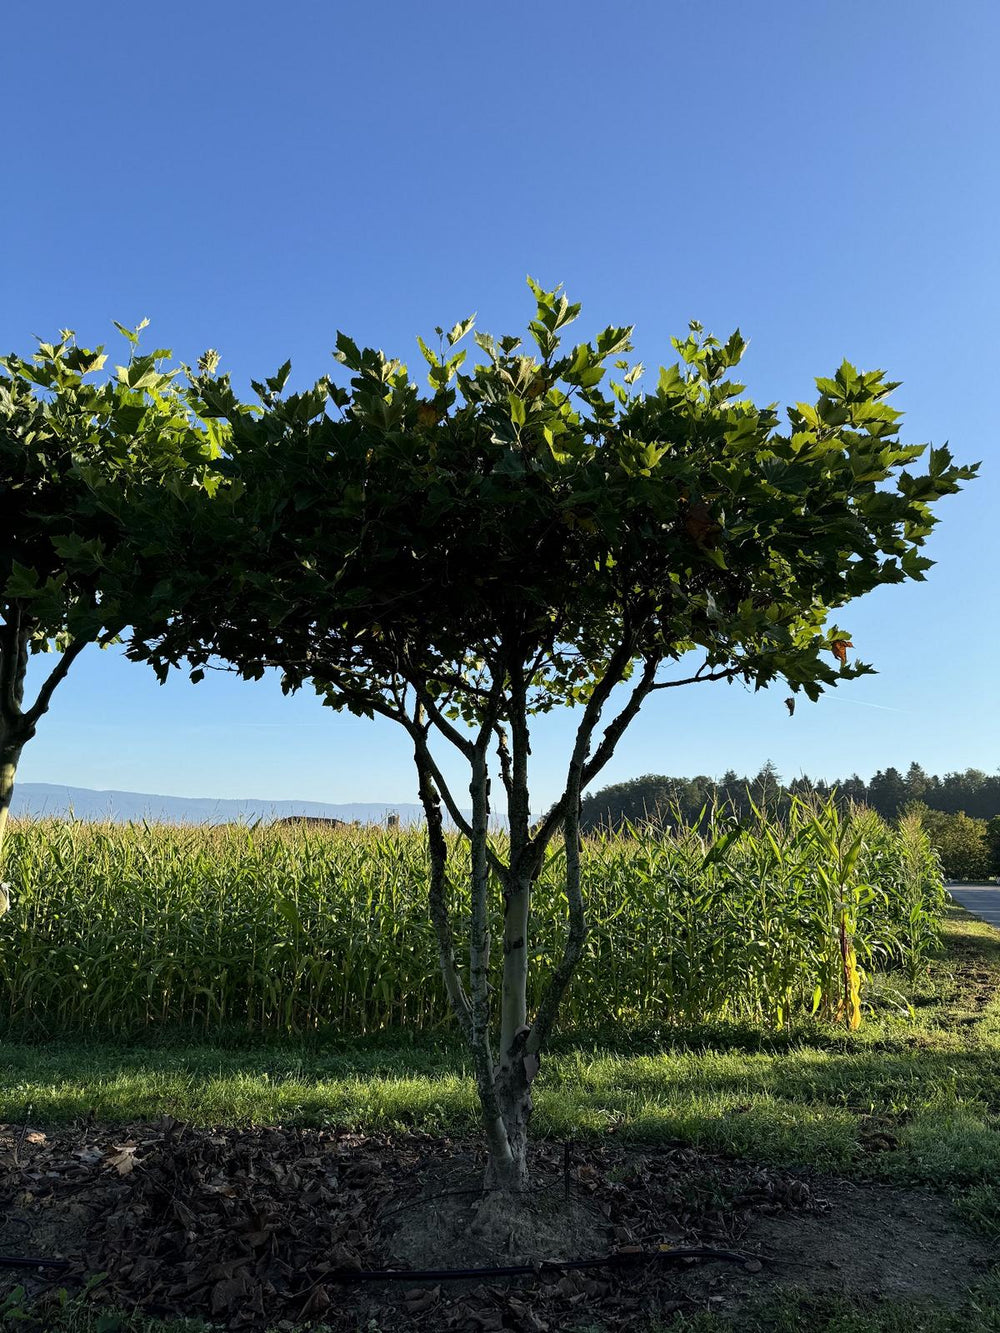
144,929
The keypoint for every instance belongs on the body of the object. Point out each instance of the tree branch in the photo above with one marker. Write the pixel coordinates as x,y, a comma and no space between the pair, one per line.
615,729
479,950
56,676
576,936
614,732
437,891
617,664
517,888
503,754
457,683
461,743
519,801
419,737
726,673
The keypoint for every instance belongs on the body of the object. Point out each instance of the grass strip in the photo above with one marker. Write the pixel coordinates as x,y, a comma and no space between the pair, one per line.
913,1096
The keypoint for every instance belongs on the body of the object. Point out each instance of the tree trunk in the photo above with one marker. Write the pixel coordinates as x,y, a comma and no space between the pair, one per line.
509,1172
504,1084
17,724
514,1073
479,968
9,755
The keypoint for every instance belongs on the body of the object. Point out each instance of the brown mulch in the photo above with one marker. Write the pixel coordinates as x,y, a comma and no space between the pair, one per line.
250,1228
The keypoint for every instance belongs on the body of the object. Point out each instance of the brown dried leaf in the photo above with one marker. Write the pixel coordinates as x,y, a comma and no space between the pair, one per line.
228,1294
418,1300
489,1322
123,1159
319,1301
699,524
342,1257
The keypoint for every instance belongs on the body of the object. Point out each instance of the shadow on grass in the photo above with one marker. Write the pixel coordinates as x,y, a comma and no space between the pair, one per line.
914,1098
930,1116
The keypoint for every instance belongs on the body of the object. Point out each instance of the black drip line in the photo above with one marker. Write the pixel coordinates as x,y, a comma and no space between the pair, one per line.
662,1254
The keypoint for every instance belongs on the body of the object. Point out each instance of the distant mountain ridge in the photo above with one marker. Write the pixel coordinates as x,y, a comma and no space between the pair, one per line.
39,799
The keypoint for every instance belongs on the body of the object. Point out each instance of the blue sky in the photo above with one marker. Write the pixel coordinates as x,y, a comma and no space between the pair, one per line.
254,178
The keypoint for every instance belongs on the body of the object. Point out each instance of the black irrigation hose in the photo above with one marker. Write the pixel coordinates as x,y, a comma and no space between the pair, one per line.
6,1262
664,1253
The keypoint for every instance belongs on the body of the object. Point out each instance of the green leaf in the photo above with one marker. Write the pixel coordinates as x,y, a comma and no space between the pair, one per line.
79,551
735,348
588,378
913,565
278,380
347,352
22,582
671,380
460,330
84,362
430,356
614,340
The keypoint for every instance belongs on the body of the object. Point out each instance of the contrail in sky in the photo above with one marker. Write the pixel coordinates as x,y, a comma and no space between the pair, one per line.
862,704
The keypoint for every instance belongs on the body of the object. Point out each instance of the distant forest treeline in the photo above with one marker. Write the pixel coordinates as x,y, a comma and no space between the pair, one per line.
658,799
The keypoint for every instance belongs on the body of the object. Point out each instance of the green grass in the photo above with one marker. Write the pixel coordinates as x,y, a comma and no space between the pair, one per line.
912,1097
63,1314
794,1313
790,1313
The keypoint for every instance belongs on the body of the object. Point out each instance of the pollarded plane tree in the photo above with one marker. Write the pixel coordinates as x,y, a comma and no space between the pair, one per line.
82,464
521,538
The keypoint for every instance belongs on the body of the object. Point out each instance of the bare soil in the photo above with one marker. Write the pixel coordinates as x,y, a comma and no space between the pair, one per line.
259,1227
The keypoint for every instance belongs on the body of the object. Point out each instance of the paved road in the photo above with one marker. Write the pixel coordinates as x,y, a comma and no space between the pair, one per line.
982,900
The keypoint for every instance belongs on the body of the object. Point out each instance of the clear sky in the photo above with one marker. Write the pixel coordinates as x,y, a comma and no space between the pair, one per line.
253,177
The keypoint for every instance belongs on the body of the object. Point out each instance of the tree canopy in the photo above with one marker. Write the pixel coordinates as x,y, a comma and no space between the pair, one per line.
524,498
82,466
533,531
659,799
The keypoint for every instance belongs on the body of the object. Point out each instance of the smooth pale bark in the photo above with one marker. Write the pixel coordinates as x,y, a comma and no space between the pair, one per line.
504,1083
438,889
503,1090
515,1072
13,728
500,1158
9,756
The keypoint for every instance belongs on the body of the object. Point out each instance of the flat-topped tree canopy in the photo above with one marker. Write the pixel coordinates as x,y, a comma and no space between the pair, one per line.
544,498
534,531
82,464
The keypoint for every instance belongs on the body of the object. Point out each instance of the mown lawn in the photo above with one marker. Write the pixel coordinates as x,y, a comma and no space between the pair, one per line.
914,1096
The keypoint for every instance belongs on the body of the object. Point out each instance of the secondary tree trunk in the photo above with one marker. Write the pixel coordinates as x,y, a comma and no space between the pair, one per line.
15,730
504,1082
9,755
